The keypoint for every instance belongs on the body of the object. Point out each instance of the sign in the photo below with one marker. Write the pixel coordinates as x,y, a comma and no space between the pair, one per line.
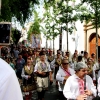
5,32
36,40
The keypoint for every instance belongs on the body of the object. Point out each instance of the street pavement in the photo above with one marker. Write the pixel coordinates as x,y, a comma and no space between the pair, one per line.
51,94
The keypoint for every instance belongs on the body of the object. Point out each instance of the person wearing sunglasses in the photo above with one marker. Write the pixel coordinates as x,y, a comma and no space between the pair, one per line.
62,75
80,85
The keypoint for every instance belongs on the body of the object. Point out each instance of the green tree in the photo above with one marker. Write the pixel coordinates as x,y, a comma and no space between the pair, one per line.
93,16
35,27
50,20
21,9
16,35
62,16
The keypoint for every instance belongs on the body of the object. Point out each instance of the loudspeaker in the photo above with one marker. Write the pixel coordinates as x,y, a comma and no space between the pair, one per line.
5,31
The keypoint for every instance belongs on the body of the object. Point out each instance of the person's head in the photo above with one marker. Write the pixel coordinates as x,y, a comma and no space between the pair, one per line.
79,58
59,54
58,51
20,55
82,52
76,51
93,55
42,56
50,52
37,52
29,60
67,54
99,59
89,61
85,54
81,69
75,55
65,63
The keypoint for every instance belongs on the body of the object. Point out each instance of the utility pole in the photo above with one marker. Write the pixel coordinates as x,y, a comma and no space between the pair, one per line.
60,40
67,28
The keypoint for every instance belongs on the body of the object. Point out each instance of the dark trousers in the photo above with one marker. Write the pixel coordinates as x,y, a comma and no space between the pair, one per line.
61,96
41,94
18,73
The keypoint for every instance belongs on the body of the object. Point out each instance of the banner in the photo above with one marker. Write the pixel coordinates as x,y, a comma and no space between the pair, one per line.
36,40
5,31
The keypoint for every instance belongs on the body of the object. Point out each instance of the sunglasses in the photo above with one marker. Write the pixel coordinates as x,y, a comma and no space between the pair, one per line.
65,63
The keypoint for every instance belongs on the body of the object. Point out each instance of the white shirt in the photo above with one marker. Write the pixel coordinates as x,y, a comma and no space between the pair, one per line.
9,85
36,66
60,77
71,88
98,87
96,75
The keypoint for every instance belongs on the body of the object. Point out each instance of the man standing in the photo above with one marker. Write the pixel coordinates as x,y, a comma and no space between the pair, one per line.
43,72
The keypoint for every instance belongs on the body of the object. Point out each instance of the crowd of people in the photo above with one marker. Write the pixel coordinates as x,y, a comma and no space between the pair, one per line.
77,76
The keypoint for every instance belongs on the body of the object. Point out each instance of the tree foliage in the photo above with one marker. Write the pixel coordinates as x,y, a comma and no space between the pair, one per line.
94,12
51,21
35,27
21,9
16,35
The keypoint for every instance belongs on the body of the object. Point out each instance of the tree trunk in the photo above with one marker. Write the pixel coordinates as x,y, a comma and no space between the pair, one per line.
60,40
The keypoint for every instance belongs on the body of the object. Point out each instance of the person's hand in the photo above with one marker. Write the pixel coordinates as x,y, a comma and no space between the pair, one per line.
82,97
94,81
65,78
51,80
88,92
38,72
43,73
29,76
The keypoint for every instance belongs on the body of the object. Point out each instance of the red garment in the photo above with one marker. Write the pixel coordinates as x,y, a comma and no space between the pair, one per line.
81,86
67,72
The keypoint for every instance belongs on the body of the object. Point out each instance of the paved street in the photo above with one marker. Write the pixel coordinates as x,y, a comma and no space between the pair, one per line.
51,94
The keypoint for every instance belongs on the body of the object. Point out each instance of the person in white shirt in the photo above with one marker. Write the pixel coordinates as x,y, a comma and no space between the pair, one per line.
85,57
79,86
98,87
62,75
9,85
43,71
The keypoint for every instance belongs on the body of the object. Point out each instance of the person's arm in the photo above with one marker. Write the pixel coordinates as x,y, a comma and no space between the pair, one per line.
59,77
52,64
36,70
67,90
50,73
98,87
23,74
92,87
